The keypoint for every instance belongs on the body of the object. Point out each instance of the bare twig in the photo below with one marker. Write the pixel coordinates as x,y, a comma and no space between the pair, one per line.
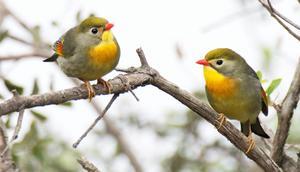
285,114
298,161
88,166
22,56
142,57
96,120
115,132
6,163
277,13
242,12
125,82
275,16
20,40
18,126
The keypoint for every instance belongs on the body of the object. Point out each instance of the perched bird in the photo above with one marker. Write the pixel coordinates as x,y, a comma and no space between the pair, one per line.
87,51
233,89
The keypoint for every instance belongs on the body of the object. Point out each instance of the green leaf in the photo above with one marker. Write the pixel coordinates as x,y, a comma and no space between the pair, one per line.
274,84
38,115
35,89
3,35
259,75
78,16
36,35
12,86
67,104
7,123
54,24
267,53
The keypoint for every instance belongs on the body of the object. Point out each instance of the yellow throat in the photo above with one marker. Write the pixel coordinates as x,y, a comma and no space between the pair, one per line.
217,83
106,51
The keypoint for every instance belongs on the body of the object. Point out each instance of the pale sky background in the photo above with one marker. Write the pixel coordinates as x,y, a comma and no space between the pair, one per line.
157,26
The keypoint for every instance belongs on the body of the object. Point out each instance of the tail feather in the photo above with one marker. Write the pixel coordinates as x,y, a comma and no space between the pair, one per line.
257,129
52,58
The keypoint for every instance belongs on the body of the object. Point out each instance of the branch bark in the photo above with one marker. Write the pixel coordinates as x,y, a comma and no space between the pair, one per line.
88,166
6,163
277,16
285,114
140,77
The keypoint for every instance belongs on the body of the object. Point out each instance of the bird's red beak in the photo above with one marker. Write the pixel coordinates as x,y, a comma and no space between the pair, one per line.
108,26
203,62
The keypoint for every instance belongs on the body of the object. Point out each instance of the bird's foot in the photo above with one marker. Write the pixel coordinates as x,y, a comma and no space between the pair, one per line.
222,120
90,89
106,84
251,142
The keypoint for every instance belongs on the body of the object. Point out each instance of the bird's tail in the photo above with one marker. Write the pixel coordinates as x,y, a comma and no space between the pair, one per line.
258,130
52,58
255,128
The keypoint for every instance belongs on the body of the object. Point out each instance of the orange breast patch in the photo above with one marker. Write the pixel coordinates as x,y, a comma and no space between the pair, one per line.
218,84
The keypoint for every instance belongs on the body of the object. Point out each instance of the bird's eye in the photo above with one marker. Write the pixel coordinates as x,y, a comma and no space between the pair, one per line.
94,30
219,62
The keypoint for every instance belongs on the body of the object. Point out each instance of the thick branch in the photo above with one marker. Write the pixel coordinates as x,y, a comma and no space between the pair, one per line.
228,130
88,166
12,105
145,76
285,114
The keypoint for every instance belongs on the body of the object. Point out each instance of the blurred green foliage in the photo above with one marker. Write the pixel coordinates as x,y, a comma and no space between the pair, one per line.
44,152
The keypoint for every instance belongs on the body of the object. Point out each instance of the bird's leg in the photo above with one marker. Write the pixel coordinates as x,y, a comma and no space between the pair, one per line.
221,119
90,89
105,84
250,140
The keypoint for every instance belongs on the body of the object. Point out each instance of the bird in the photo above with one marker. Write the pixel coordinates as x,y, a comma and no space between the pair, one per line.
233,89
87,51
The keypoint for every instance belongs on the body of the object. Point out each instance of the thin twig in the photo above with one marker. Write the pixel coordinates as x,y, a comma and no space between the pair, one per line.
142,57
127,85
279,20
96,120
18,126
116,133
23,56
285,115
88,166
17,19
242,12
20,40
298,161
282,16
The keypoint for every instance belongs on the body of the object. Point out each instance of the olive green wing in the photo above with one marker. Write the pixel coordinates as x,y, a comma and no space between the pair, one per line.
64,46
264,98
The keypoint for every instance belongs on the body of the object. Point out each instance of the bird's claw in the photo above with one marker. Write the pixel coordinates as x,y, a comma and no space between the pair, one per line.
90,89
106,84
222,120
251,142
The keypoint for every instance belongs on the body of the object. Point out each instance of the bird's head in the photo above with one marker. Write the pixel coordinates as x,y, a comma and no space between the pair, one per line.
224,61
94,28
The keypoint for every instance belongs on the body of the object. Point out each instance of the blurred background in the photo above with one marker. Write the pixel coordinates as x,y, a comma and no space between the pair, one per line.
161,133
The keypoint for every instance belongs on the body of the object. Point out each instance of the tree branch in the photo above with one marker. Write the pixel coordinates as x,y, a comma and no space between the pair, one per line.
276,15
88,166
116,133
99,117
6,163
285,114
22,56
140,77
228,130
136,79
